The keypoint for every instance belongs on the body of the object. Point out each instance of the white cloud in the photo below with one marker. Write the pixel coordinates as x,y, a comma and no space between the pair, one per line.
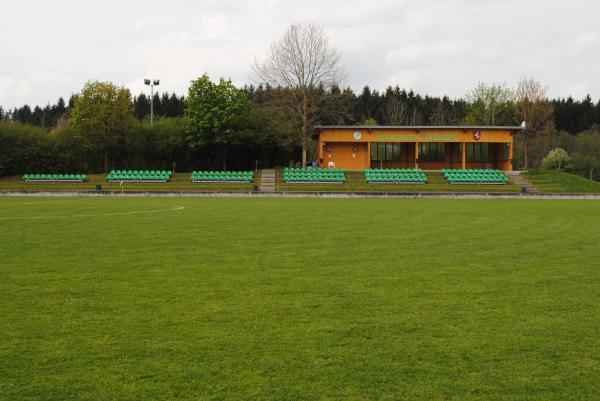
432,46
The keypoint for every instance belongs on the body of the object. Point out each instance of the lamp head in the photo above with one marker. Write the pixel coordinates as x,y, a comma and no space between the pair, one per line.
147,81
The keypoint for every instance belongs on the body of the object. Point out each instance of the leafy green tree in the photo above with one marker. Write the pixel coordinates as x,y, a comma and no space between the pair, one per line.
217,115
490,105
103,115
557,159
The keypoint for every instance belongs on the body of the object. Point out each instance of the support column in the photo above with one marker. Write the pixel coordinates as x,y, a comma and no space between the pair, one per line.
510,156
464,156
416,154
369,154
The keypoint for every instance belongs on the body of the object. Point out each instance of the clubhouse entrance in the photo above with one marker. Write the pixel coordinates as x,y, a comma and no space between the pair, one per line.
428,148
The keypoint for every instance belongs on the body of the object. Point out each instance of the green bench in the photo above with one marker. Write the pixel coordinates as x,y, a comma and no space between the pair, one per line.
222,176
54,177
395,176
475,176
314,175
139,176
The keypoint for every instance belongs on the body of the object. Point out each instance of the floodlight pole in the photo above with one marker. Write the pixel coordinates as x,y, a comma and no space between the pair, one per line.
151,105
151,83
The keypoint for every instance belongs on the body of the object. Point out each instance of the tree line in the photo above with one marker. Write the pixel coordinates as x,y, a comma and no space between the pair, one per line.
392,106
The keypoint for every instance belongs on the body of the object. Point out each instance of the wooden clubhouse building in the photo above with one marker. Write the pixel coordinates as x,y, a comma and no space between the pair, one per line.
425,147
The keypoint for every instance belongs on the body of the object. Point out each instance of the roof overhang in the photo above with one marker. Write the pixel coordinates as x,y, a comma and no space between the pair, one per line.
318,128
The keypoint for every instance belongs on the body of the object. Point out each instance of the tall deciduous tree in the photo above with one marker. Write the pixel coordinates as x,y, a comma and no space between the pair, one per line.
103,116
535,109
217,115
304,61
490,105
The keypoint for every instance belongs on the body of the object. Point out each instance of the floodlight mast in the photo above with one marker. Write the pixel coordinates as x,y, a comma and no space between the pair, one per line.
151,84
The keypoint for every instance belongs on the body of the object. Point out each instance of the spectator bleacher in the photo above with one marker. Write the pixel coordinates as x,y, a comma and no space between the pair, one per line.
314,175
222,176
139,176
395,176
54,177
475,176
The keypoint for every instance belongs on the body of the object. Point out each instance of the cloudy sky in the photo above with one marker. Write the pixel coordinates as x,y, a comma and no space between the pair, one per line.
437,47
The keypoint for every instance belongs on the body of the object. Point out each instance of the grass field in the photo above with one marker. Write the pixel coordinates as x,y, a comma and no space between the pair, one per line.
299,299
554,181
355,182
179,182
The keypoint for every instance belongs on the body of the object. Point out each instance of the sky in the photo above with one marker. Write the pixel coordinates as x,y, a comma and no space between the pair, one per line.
435,47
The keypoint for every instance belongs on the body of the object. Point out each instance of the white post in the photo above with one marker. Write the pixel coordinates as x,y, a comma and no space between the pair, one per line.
151,105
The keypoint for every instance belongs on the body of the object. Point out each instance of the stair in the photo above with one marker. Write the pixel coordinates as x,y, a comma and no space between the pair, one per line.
267,181
518,179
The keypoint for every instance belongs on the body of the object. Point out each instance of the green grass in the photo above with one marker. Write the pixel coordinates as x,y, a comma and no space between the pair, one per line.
355,182
554,181
299,299
179,182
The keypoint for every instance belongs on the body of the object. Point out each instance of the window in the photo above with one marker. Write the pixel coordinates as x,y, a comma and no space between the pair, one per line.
504,153
432,152
385,151
477,152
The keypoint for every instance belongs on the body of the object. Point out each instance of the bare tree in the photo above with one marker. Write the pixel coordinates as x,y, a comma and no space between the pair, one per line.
395,110
438,116
535,109
302,60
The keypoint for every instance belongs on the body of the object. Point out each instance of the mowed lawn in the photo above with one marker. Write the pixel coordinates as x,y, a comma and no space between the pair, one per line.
299,299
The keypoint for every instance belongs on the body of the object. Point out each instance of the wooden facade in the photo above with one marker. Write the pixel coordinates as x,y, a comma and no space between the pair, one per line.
429,148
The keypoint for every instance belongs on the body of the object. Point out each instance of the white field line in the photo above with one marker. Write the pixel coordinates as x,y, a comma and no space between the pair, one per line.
38,203
176,208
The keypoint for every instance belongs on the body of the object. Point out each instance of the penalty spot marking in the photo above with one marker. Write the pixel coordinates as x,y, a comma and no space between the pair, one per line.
174,209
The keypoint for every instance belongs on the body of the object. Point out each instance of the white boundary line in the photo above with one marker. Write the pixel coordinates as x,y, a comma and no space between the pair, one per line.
176,208
38,203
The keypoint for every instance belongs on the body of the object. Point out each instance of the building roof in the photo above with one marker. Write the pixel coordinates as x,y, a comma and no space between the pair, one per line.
420,127
318,128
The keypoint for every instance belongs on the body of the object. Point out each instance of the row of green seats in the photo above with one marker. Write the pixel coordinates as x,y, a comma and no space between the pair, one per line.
395,176
54,177
475,176
138,177
473,179
314,175
138,172
309,169
470,170
393,170
222,176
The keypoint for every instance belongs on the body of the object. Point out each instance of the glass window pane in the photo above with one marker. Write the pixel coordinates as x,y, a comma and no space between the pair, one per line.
388,151
374,151
484,152
381,151
396,151
441,151
477,152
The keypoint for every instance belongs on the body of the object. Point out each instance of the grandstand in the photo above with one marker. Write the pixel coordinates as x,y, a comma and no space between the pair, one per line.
139,176
222,176
54,177
314,175
395,176
474,176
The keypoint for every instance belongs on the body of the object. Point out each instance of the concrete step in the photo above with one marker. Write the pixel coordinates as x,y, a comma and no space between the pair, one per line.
267,181
518,179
